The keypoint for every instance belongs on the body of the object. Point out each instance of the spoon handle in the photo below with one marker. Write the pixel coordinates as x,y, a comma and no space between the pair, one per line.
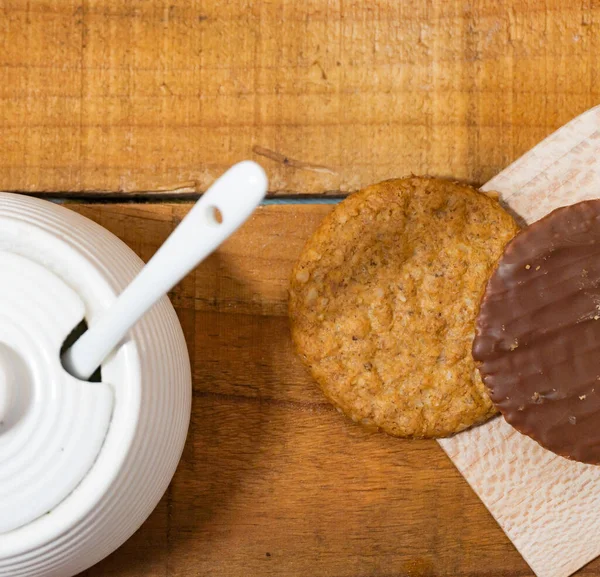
218,213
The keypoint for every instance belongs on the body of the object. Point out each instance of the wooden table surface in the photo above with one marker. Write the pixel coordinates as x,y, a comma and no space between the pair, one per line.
148,95
147,101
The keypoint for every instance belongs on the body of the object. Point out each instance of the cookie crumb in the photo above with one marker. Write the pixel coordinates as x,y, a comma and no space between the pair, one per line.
302,276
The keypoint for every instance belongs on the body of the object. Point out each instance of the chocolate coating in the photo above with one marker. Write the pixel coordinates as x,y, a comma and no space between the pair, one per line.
538,332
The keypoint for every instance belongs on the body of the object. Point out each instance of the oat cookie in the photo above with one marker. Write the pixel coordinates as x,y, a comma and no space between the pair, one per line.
383,303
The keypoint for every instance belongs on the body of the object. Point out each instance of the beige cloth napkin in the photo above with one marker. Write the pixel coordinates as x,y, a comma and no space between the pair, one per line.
548,506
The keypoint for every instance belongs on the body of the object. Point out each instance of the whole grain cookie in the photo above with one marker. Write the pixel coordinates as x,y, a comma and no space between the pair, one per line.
383,303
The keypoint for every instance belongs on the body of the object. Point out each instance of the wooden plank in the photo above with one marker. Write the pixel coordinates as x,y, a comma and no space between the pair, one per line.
273,481
330,95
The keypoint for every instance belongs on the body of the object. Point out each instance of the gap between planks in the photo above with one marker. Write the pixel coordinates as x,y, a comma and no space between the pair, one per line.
158,198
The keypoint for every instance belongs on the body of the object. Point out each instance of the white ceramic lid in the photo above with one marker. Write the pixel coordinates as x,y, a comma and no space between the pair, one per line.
52,426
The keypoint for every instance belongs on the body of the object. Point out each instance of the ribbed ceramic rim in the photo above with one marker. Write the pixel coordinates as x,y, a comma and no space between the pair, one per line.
98,481
110,506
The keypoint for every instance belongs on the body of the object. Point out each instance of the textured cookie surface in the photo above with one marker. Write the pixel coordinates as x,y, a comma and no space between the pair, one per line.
383,303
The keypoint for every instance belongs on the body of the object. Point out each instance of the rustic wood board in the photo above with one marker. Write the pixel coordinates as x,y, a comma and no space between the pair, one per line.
160,95
273,481
548,506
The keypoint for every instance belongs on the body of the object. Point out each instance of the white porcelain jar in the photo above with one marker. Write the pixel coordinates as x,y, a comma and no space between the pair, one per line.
82,465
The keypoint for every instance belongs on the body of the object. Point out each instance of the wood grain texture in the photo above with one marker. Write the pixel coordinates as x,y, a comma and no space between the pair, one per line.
548,506
330,95
273,481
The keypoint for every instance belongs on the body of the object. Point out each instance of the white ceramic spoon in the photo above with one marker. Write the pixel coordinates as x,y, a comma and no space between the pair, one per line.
218,213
